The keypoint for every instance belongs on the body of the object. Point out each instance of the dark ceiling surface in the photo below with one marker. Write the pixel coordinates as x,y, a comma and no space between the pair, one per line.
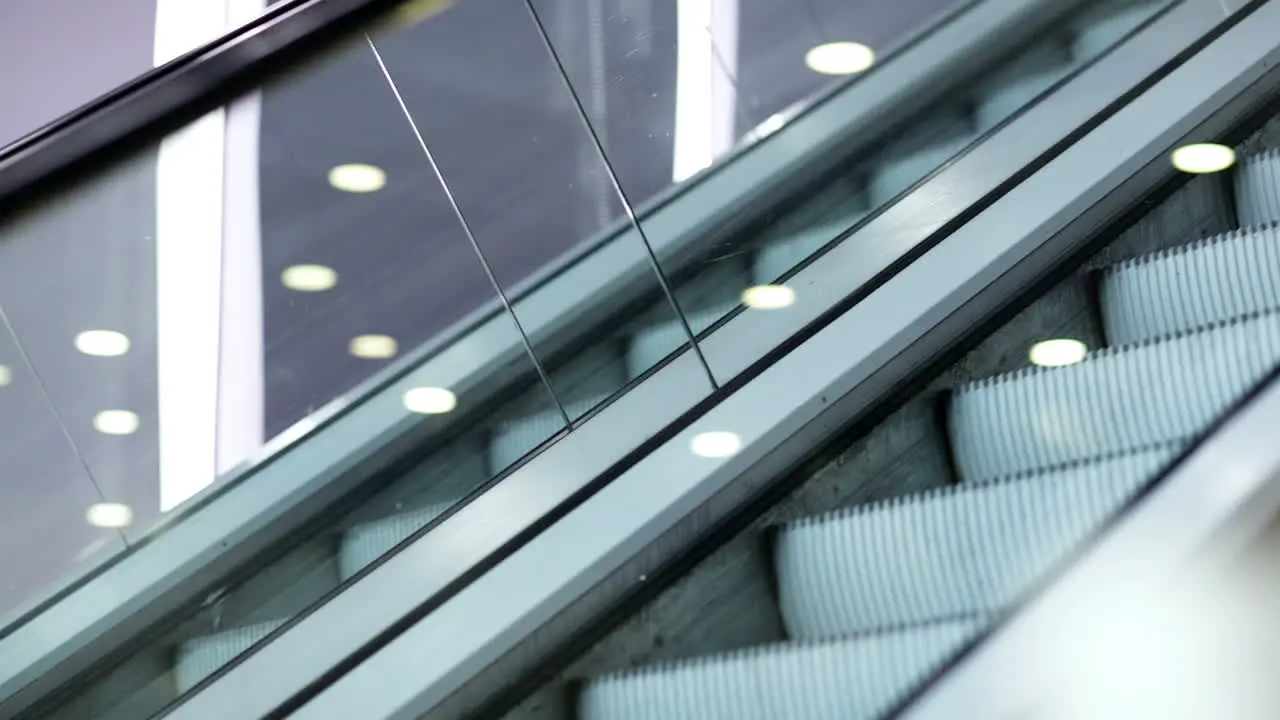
490,105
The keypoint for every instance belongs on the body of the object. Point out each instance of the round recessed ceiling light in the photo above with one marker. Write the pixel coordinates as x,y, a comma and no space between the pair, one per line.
116,422
109,515
769,297
374,347
715,444
430,400
102,343
1202,158
1056,353
358,178
840,58
309,278
6,375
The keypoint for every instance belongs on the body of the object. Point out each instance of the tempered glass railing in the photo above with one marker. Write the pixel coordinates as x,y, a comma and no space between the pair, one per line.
336,246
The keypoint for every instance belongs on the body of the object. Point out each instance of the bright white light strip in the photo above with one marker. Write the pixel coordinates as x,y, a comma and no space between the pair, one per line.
706,70
241,376
189,208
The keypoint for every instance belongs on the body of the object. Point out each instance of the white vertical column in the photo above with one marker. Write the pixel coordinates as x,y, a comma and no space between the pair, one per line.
241,376
706,76
200,200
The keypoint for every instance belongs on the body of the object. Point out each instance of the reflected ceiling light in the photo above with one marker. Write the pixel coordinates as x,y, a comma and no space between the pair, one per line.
358,178
840,58
116,422
415,11
769,297
430,400
374,347
102,343
1202,158
715,444
109,515
6,375
772,124
309,278
1056,353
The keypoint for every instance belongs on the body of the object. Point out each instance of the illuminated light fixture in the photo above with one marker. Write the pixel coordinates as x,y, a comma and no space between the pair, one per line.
840,58
6,375
358,178
1203,158
715,444
102,343
374,347
769,297
309,278
109,515
1056,353
116,422
430,400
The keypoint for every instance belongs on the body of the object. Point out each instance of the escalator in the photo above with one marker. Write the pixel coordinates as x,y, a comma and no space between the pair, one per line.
836,588
873,594
190,654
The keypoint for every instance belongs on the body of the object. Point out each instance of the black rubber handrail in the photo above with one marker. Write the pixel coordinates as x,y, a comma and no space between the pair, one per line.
179,91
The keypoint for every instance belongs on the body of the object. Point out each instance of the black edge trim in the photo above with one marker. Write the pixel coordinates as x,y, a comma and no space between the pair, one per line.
942,426
767,546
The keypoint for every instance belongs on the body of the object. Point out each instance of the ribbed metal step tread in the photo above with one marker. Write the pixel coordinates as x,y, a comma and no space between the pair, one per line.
947,553
200,657
1117,399
849,679
1258,188
367,542
514,438
1192,286
650,345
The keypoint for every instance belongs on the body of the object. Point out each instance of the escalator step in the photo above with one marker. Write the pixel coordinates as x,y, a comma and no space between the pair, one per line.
650,345
1020,83
200,657
919,154
1103,25
1116,399
777,258
1258,189
1193,286
849,678
365,543
516,437
949,553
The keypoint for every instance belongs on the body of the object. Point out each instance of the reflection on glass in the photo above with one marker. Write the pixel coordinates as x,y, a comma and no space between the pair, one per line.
767,244
521,145
359,267
56,520
78,291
